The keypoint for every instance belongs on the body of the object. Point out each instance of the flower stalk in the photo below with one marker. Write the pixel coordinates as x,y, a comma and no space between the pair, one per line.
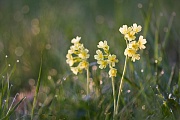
104,59
114,96
87,81
120,86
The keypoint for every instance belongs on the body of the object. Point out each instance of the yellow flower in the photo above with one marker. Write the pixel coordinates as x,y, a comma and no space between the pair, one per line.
112,60
75,70
133,45
69,60
135,57
112,72
99,55
102,64
76,40
84,54
129,52
103,45
83,65
136,28
141,42
130,36
125,29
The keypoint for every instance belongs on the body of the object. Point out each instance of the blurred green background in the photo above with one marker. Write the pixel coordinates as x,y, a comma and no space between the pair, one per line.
28,27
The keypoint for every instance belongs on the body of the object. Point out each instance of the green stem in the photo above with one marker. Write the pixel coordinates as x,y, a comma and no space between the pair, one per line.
88,115
120,86
114,96
37,90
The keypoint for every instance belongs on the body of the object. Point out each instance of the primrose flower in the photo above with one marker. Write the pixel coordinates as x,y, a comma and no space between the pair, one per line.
112,72
77,56
135,57
84,54
69,60
102,64
112,60
136,28
99,55
83,65
130,36
141,42
76,40
75,70
134,45
125,29
103,45
129,52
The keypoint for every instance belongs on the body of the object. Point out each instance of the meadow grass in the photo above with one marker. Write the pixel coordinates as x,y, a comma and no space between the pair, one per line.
150,87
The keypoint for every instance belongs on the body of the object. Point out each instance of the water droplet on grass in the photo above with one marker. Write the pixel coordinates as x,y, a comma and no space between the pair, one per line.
156,61
64,78
143,107
140,5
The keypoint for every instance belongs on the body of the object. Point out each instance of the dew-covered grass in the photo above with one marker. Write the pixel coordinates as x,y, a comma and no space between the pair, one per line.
35,37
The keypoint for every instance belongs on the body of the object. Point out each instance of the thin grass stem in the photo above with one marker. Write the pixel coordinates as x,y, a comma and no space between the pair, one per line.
37,89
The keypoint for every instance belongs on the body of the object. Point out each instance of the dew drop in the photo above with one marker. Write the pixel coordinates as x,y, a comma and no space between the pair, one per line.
64,78
140,5
49,77
143,107
169,95
128,91
156,61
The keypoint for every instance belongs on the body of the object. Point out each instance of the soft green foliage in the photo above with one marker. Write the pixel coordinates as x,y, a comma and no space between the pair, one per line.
151,87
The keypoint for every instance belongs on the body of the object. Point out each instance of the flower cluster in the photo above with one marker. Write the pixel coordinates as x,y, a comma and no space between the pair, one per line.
104,58
77,56
132,45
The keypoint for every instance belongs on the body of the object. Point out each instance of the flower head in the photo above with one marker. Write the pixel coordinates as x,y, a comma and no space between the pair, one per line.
99,55
133,46
77,56
103,45
104,58
112,72
75,70
129,52
69,60
135,57
125,29
76,40
136,28
130,36
112,60
83,65
102,64
84,54
141,42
